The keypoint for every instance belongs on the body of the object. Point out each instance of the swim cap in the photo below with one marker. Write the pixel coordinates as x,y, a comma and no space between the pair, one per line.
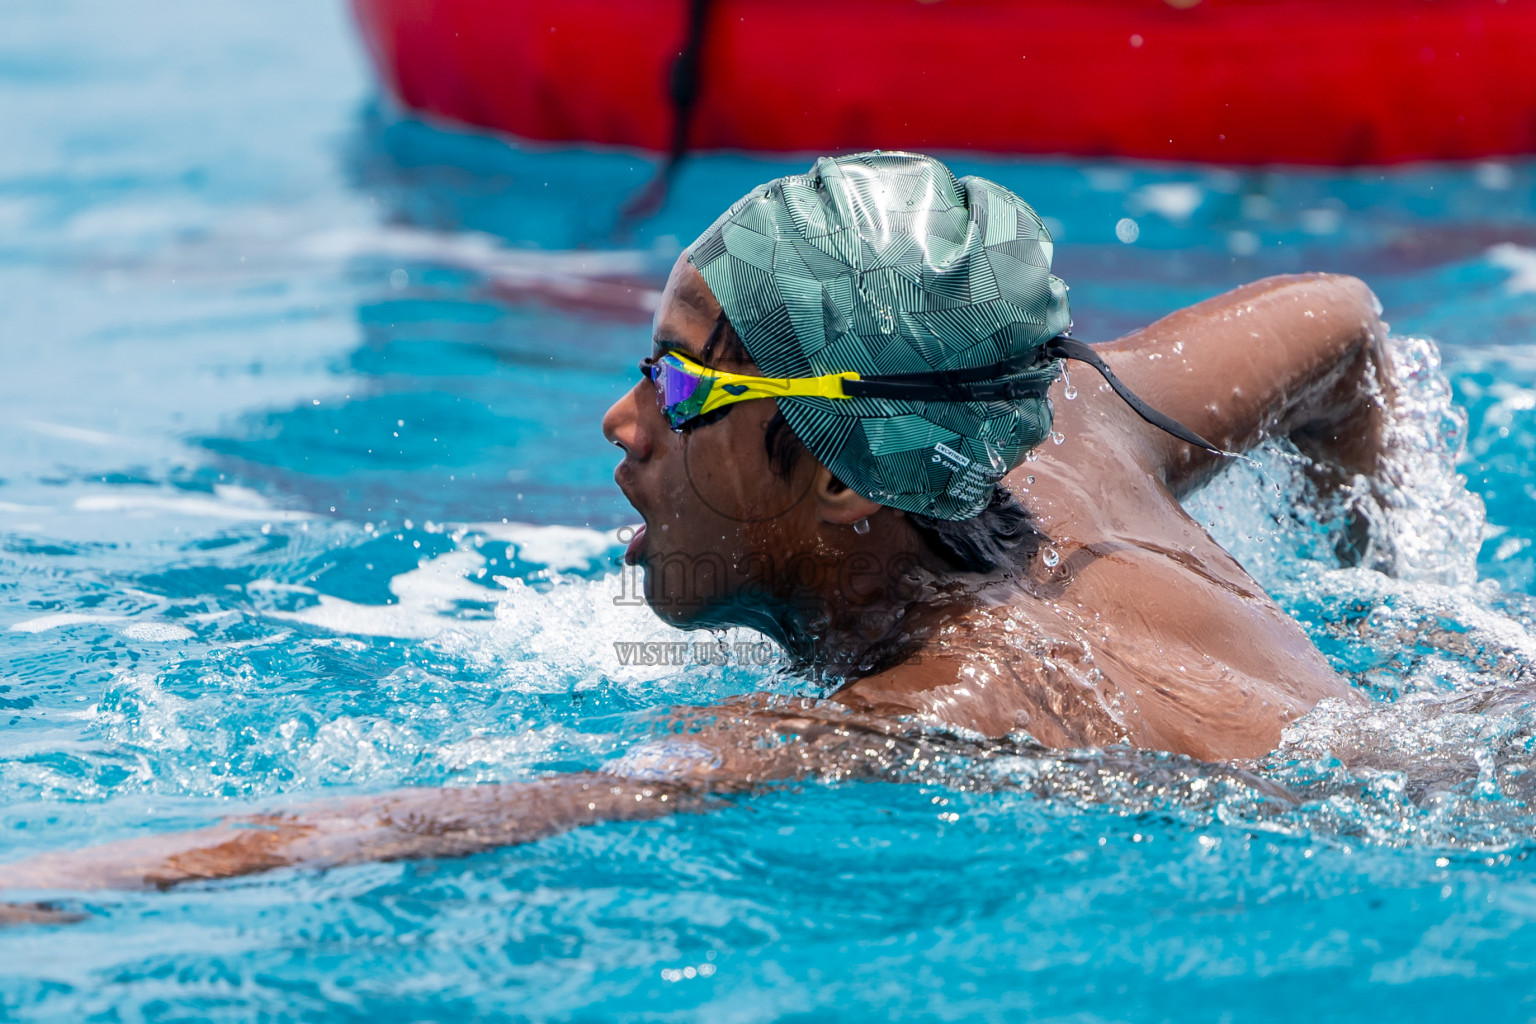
886,264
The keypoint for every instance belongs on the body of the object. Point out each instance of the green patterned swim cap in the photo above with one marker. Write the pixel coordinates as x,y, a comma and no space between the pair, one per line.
886,264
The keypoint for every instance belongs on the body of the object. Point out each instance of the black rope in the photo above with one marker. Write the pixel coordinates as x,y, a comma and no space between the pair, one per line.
683,88
1067,348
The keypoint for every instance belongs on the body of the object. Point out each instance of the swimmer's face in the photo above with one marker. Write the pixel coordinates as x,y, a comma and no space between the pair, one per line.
719,521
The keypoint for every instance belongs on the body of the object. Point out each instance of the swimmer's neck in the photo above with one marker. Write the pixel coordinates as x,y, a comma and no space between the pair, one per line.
877,600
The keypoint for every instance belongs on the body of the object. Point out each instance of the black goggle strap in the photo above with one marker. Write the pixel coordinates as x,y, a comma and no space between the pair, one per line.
1067,348
975,384
980,384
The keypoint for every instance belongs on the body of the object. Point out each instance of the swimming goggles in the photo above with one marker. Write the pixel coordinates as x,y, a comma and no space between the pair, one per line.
686,391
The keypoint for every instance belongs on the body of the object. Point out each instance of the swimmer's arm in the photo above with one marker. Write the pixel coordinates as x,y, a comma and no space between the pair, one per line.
403,825
1298,356
730,749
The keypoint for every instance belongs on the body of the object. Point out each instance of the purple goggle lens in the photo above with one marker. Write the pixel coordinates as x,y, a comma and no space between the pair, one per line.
678,392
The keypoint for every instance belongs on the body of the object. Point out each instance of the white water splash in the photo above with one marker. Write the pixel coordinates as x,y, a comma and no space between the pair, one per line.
560,548
568,634
1424,524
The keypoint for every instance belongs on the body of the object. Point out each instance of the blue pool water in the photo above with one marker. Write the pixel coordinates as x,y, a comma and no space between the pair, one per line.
302,494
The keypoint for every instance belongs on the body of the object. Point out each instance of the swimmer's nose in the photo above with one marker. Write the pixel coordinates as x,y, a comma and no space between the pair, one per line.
623,424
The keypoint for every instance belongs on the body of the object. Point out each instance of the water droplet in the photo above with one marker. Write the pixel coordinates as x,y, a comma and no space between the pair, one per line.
1033,455
1049,556
1030,479
1057,437
1068,390
995,457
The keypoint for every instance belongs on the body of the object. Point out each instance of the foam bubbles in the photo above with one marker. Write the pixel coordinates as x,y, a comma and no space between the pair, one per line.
158,632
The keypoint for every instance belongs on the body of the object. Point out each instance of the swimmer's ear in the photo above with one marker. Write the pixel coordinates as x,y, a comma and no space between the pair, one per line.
836,502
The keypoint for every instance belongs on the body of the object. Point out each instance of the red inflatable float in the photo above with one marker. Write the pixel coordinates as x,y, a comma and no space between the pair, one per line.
1232,81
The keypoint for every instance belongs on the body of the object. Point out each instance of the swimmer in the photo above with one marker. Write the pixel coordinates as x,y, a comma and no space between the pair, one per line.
853,433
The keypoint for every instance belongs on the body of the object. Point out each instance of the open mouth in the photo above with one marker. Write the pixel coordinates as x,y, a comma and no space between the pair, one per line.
632,552
623,476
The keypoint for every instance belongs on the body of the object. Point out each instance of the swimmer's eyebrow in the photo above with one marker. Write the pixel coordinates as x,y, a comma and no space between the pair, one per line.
660,346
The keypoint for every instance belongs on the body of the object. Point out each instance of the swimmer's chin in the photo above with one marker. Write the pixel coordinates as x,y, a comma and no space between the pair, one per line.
695,618
693,614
